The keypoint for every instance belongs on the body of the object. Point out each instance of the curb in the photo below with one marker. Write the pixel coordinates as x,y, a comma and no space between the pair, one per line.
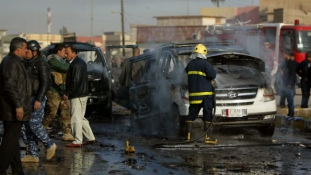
295,123
301,112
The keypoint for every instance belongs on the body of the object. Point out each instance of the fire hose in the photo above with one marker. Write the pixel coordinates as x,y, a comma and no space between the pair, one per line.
200,136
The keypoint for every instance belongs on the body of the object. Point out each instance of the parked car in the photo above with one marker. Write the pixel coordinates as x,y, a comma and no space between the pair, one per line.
99,77
158,95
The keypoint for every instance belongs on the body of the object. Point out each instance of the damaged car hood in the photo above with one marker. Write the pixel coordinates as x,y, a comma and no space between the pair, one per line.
240,59
235,69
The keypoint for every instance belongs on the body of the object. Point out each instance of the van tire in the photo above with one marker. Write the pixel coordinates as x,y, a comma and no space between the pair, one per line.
267,131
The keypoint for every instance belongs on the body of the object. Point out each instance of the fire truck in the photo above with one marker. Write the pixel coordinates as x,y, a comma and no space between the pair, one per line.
295,38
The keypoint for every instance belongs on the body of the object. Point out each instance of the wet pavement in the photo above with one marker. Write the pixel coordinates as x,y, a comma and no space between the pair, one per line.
239,151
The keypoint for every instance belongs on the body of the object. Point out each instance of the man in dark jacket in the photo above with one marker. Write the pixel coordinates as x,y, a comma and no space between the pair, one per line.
200,74
40,75
303,71
15,92
289,81
77,92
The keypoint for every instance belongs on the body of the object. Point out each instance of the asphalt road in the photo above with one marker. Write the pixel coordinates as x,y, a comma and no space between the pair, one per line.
239,151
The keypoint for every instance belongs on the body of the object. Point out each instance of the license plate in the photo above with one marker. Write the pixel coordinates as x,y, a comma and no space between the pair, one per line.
234,112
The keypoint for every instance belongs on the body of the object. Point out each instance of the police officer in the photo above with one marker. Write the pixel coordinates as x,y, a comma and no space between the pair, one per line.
200,74
40,78
303,71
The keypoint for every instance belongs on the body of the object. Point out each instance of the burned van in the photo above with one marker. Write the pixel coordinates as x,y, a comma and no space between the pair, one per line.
158,94
99,77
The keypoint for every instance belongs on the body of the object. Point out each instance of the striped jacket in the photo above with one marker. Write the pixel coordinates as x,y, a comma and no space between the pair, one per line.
200,73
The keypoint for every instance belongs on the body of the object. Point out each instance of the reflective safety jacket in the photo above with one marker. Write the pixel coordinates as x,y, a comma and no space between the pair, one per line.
200,73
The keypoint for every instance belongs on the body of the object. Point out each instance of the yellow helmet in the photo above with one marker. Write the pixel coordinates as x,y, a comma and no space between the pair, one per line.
200,48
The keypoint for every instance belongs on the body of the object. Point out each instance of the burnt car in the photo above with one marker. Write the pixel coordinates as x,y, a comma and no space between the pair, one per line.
158,95
99,77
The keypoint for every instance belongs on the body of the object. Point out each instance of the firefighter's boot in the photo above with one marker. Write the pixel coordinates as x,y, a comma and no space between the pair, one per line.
189,129
208,137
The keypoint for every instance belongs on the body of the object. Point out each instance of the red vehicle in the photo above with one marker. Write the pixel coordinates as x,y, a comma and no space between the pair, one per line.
293,37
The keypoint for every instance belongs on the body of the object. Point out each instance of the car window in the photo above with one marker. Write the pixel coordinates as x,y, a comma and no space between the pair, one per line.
165,64
90,57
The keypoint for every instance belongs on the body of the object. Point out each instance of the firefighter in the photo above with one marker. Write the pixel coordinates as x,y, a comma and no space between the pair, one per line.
200,76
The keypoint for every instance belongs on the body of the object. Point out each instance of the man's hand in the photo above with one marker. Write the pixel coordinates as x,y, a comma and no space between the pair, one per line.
19,113
37,105
65,97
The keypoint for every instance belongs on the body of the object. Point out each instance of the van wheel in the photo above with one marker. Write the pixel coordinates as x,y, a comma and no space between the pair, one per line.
267,131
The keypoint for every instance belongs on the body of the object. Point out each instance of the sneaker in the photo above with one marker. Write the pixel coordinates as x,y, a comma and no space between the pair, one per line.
30,159
68,137
51,152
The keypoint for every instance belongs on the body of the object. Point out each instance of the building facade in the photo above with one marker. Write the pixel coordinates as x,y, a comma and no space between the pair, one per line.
285,11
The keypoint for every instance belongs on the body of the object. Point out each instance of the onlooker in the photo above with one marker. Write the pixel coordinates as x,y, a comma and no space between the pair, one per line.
59,67
15,92
40,78
289,81
303,70
77,92
200,75
271,63
282,66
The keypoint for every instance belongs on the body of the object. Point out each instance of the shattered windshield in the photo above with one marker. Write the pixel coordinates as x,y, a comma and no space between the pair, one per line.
304,40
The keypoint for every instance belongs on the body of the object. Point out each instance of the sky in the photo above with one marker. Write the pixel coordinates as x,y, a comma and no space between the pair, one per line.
30,16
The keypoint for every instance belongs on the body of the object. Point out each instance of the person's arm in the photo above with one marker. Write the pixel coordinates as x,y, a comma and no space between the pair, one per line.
211,73
10,79
275,64
44,79
299,68
291,74
58,66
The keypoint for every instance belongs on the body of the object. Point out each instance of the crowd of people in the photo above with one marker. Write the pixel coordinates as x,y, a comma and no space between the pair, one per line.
284,74
32,90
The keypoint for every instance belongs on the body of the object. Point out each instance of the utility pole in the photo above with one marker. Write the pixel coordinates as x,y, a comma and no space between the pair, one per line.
188,7
122,26
92,23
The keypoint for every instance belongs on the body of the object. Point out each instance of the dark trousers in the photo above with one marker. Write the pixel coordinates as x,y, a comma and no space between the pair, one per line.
305,90
9,149
207,105
289,95
282,97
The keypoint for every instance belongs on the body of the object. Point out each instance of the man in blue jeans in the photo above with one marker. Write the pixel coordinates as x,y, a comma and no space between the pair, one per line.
289,81
281,67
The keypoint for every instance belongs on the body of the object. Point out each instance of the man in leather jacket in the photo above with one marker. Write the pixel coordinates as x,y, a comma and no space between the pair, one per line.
77,92
15,92
40,78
